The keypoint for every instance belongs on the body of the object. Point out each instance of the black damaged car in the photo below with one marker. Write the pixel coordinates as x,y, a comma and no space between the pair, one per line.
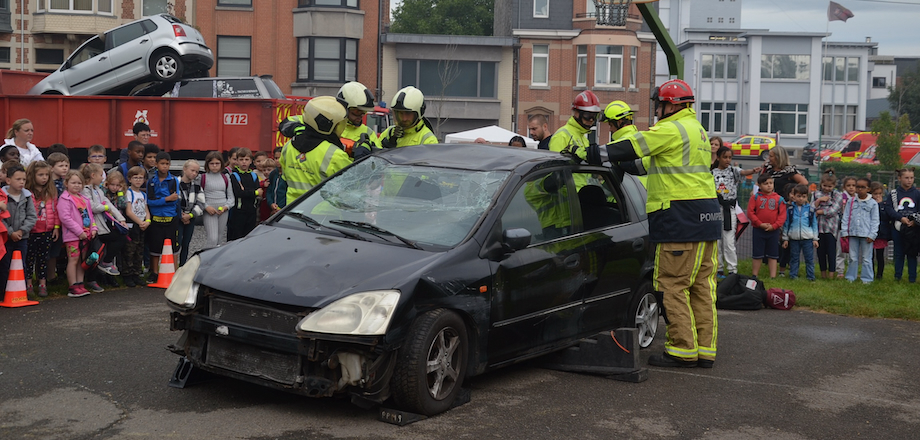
417,267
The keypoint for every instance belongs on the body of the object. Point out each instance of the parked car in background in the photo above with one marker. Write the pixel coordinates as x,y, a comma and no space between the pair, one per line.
752,146
416,267
257,87
914,161
810,150
160,47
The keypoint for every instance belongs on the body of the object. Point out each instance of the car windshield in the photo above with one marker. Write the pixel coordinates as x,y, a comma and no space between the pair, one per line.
424,205
839,144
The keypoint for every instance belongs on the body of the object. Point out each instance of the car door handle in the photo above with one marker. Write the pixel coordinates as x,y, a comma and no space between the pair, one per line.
571,261
638,244
144,41
103,58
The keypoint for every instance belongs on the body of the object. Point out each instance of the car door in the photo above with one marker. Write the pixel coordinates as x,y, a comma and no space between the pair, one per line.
537,291
128,48
616,246
87,70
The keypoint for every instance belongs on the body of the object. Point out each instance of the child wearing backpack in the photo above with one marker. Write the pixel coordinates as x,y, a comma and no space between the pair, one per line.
218,198
244,216
800,232
767,212
727,179
828,202
860,226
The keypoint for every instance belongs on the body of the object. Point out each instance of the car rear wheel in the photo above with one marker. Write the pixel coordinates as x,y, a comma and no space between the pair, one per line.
645,315
166,66
431,364
765,155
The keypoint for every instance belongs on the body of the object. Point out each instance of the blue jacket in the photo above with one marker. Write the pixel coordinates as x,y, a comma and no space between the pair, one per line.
157,191
277,189
801,223
860,218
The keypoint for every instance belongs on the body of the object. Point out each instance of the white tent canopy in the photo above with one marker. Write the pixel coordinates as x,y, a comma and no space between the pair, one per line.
492,133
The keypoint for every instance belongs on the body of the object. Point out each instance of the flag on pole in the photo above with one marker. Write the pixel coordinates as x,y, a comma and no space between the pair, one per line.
835,12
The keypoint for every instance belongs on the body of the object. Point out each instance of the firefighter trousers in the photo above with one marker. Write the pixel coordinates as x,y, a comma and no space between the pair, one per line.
685,273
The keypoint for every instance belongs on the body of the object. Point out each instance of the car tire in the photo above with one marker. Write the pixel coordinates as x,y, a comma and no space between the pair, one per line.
431,364
166,66
765,155
52,92
645,314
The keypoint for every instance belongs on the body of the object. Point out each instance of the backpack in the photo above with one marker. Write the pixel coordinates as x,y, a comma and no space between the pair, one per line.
740,292
782,299
224,175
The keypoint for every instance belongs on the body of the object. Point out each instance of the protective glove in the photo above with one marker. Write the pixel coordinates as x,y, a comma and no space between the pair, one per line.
362,147
290,128
390,141
552,183
398,131
570,151
593,154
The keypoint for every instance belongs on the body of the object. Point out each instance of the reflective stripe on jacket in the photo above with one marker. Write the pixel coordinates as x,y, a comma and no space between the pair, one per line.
418,134
303,171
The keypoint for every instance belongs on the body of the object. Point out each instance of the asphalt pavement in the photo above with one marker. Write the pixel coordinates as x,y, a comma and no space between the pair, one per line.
97,367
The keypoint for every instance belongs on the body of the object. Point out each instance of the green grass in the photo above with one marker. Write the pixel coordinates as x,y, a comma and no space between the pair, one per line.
884,298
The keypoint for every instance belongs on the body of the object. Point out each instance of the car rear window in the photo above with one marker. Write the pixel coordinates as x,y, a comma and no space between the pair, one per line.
231,88
171,19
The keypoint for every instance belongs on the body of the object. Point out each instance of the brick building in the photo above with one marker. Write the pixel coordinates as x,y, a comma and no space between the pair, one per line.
563,51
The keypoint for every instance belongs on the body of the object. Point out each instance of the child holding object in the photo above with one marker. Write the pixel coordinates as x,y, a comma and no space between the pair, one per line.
800,232
78,228
828,202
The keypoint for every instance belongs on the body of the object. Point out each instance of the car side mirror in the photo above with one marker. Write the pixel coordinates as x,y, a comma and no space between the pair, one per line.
515,239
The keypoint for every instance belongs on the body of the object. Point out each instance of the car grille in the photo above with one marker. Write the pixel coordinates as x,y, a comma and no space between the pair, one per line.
253,315
253,361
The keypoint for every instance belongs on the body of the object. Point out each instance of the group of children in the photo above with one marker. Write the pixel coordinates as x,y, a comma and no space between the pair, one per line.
123,217
849,230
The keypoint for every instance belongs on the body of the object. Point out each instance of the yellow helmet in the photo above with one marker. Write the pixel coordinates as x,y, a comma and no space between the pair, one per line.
357,96
411,99
324,114
617,110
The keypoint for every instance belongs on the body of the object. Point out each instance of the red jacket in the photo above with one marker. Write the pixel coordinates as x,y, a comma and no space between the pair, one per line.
47,215
767,208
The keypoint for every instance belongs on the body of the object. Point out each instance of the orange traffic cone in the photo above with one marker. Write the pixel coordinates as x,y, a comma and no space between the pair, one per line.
167,267
16,285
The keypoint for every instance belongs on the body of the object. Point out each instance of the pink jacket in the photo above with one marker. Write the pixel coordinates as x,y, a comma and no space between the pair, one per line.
47,220
71,218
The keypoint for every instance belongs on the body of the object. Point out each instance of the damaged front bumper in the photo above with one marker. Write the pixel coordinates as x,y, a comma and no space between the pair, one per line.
258,343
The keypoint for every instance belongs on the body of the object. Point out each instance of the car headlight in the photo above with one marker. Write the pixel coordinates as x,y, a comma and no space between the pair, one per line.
183,291
366,313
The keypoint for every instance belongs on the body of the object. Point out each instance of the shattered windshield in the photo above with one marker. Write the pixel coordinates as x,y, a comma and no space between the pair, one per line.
425,205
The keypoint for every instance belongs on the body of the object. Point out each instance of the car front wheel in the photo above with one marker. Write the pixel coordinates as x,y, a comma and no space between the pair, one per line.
646,313
765,155
166,66
431,364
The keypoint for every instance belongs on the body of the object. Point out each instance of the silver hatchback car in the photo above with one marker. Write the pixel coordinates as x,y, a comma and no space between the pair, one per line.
159,46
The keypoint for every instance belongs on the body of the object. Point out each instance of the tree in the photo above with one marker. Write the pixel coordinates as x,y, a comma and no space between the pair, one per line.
890,134
444,17
904,96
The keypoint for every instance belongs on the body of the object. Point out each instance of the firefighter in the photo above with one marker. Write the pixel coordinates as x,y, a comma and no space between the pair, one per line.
684,221
574,134
619,117
362,139
410,128
316,152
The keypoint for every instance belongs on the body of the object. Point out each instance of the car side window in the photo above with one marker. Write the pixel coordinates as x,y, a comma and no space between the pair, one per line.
599,202
196,89
542,206
853,146
636,194
123,35
93,47
149,26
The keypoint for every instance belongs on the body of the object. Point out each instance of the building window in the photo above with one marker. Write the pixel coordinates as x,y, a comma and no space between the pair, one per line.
731,19
49,56
4,55
465,79
340,3
540,8
719,66
608,65
235,3
104,6
154,7
838,119
841,69
785,66
879,82
784,118
718,117
234,56
540,74
581,66
721,20
708,19
633,66
327,59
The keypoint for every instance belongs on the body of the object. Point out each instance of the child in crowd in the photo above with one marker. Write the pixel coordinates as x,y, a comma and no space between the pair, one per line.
135,157
244,216
114,189
97,156
78,228
138,220
58,148
849,191
47,228
767,212
827,203
21,217
231,160
727,179
800,232
191,204
107,219
860,226
8,153
218,196
884,228
276,188
60,165
905,204
258,157
150,159
163,203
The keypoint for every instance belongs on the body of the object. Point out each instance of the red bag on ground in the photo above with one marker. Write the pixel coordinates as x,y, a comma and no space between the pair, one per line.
782,299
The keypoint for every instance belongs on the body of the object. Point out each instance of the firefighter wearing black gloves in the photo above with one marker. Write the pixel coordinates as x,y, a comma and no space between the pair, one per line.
684,221
411,128
358,138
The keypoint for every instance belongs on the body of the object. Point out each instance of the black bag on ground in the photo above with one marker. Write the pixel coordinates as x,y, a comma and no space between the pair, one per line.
740,292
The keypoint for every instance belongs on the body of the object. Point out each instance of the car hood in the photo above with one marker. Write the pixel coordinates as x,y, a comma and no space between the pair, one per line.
305,268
